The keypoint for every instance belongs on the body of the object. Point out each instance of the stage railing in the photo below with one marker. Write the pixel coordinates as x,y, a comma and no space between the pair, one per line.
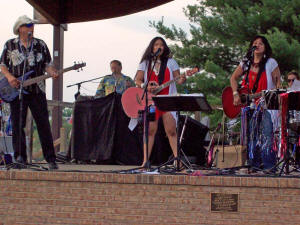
61,141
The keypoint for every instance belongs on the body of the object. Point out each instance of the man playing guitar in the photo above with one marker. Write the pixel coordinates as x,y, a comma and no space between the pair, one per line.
20,55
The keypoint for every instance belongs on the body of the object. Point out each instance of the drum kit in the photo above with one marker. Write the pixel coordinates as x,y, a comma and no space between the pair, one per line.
294,120
294,106
288,104
289,115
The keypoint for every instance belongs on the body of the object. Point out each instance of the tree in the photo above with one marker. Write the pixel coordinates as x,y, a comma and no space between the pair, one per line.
67,112
219,35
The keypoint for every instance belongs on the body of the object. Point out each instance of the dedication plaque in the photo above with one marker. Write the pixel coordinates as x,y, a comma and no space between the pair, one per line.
224,202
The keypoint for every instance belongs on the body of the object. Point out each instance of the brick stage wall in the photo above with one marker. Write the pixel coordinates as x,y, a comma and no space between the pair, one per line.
100,198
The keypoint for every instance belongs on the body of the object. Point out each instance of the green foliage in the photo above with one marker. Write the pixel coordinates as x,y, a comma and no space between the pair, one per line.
219,35
67,112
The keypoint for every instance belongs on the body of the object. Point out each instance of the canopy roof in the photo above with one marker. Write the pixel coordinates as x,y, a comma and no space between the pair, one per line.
72,11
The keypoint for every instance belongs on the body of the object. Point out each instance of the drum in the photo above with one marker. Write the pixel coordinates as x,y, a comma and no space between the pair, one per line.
294,113
294,121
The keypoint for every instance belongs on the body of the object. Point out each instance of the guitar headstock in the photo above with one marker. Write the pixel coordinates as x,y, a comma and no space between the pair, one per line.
192,71
78,66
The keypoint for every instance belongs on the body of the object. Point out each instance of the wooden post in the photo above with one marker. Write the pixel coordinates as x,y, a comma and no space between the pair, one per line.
63,140
29,135
57,87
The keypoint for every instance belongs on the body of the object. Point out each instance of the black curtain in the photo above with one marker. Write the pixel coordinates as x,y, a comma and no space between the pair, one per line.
94,128
101,134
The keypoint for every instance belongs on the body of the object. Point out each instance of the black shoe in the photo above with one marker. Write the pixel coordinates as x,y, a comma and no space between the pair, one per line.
52,166
20,160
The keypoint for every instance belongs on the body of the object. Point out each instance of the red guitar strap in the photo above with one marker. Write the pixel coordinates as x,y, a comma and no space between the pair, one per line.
161,75
255,86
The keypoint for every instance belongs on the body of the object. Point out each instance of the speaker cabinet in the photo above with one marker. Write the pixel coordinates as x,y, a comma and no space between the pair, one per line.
193,139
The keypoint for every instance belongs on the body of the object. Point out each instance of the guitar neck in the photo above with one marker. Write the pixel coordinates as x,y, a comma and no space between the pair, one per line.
256,95
246,97
164,85
43,77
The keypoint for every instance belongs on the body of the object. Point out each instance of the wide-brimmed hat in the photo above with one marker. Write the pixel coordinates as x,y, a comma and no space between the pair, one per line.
21,21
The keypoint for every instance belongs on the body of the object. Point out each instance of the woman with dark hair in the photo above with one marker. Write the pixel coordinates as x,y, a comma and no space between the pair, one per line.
261,72
264,73
164,70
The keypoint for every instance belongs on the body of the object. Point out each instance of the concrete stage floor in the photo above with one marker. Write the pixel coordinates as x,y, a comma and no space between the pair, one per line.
169,170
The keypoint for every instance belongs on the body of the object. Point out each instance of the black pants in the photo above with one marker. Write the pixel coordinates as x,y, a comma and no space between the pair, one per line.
38,106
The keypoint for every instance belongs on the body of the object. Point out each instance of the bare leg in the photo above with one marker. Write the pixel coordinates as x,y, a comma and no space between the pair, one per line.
152,132
170,128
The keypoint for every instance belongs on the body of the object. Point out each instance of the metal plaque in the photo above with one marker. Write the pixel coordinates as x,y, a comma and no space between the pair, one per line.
224,202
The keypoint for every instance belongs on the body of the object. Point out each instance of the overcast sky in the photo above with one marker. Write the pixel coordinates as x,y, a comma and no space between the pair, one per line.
99,42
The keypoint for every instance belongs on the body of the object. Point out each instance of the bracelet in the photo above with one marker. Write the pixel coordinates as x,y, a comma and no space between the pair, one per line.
235,93
143,85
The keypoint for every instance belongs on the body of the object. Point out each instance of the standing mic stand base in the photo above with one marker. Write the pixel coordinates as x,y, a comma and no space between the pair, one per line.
178,166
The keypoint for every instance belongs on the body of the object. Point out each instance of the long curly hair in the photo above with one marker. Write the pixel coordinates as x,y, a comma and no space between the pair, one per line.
149,50
266,56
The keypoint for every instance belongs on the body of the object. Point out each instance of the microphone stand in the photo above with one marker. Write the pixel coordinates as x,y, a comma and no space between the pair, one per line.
79,85
146,119
250,60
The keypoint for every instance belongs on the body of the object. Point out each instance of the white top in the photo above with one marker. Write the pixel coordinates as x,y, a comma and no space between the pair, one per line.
172,66
271,65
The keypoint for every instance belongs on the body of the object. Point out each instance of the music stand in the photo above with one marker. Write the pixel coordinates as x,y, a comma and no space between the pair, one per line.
272,98
182,102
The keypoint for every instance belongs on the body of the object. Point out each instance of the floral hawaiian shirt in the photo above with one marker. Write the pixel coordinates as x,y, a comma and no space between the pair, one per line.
110,84
38,57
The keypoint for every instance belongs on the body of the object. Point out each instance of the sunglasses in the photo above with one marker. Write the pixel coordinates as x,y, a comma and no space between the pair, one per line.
290,80
27,25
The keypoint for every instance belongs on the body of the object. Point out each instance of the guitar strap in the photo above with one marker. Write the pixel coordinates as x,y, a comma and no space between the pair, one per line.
161,74
149,69
255,86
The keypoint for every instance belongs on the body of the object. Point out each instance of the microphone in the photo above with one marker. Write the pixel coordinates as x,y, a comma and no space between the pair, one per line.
156,53
250,53
29,35
253,48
